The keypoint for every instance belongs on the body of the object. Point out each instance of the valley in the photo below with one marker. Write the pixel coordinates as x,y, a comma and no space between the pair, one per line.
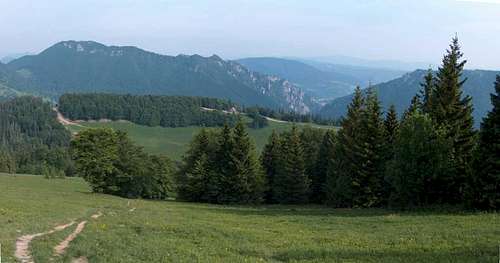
174,142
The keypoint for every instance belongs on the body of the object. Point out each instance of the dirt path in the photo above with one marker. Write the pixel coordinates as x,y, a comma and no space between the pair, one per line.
23,253
65,121
61,248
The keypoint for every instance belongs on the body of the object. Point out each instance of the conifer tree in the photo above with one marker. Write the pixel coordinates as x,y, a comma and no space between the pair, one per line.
271,162
419,164
486,181
452,112
196,170
311,139
247,174
391,125
340,182
369,181
391,131
324,166
292,183
426,92
222,183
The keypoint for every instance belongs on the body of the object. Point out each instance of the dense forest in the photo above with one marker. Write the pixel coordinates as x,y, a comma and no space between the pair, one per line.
31,139
165,111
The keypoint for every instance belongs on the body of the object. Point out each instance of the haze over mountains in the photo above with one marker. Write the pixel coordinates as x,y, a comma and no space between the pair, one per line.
325,81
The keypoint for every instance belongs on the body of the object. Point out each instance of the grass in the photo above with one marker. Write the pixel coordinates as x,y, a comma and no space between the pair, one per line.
174,142
169,231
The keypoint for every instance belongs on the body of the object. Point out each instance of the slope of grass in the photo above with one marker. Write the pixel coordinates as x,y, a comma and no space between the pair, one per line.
171,231
174,141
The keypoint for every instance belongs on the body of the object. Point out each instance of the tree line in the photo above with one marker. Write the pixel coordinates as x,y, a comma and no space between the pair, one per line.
165,111
431,156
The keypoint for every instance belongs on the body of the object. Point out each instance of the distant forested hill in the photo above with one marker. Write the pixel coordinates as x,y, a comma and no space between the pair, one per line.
400,91
92,67
165,111
31,138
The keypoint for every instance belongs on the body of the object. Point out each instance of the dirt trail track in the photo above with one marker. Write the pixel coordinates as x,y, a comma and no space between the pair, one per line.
23,253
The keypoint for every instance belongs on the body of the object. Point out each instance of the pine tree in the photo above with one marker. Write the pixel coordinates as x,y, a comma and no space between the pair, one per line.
391,125
247,175
271,162
486,181
426,92
340,184
222,183
419,164
311,139
391,131
452,112
369,181
196,169
324,166
292,183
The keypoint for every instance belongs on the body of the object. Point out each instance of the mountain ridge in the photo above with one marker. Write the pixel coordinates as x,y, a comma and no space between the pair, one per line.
89,66
479,85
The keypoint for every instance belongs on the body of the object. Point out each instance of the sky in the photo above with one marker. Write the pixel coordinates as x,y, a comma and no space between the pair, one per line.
403,30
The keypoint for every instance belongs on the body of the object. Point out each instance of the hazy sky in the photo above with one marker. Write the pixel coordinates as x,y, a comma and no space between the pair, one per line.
407,30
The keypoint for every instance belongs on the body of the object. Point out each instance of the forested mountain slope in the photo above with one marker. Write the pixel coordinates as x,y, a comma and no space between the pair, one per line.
31,138
93,67
400,91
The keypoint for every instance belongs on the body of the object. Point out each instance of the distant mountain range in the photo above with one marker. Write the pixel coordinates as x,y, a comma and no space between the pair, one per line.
373,63
88,66
324,81
400,91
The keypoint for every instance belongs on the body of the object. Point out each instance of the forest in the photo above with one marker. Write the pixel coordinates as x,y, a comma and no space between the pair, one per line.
31,138
165,111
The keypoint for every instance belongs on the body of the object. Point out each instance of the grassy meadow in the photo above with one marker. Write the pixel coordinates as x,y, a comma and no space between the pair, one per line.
174,142
169,231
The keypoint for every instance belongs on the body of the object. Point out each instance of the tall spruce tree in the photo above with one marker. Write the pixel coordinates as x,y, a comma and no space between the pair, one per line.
391,132
311,139
324,166
486,181
292,183
452,112
391,125
271,162
419,164
341,184
426,92
369,181
247,175
196,170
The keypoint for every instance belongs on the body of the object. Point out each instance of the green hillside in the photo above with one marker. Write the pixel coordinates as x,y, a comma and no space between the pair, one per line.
86,66
174,141
134,230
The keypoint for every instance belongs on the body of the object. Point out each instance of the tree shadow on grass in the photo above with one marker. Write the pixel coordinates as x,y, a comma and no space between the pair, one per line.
460,254
317,210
